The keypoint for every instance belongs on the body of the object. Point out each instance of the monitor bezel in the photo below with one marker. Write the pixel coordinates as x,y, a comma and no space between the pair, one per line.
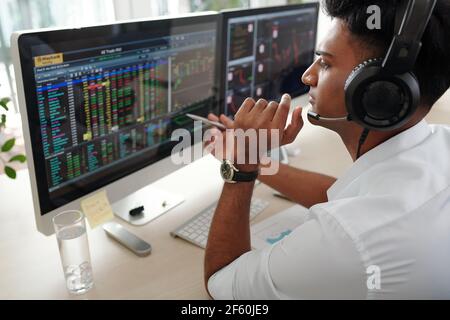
223,36
22,44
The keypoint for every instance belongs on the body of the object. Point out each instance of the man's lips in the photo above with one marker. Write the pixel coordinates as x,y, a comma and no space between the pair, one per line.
312,100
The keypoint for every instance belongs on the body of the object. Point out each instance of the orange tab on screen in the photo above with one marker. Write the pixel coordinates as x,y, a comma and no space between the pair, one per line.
48,60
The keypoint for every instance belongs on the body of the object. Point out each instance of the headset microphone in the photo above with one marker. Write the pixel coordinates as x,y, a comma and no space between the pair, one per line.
316,116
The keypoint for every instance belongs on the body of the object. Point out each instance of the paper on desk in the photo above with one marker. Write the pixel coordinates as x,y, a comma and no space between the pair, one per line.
275,228
97,209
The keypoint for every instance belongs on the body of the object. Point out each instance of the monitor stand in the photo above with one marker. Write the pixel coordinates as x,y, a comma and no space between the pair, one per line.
154,201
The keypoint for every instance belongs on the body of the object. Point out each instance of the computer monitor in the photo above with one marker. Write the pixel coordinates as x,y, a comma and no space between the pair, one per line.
98,106
266,50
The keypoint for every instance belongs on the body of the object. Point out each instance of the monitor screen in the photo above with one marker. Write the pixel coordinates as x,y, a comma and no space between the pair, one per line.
102,101
267,51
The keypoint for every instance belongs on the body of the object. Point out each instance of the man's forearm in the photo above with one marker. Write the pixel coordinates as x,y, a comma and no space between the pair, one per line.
301,186
229,235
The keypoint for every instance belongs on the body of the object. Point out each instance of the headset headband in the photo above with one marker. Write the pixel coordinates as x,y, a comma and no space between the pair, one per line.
412,19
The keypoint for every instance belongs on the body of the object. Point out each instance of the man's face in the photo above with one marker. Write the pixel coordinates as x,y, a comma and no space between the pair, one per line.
338,54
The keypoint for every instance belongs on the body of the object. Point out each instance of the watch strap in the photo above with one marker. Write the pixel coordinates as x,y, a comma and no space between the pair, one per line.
240,176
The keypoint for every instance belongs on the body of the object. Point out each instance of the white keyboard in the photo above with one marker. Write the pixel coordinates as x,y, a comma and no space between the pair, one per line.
196,229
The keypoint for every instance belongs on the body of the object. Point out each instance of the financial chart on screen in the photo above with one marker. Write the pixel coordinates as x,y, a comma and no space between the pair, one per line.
100,107
267,54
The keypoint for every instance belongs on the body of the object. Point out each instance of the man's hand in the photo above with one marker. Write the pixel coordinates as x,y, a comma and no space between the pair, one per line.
270,116
256,116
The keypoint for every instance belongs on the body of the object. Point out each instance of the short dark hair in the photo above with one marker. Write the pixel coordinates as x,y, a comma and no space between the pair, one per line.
432,67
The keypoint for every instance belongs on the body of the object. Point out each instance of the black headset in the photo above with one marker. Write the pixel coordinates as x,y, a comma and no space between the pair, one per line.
382,94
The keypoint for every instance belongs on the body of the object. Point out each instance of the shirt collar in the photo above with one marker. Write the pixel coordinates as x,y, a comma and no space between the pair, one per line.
403,141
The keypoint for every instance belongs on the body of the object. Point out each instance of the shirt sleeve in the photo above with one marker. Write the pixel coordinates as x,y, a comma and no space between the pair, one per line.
318,260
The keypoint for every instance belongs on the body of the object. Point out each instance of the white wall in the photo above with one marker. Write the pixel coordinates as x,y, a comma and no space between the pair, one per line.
264,3
133,9
136,9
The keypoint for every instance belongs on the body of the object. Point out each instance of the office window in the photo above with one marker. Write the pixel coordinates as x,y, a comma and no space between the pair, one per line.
33,14
215,5
202,5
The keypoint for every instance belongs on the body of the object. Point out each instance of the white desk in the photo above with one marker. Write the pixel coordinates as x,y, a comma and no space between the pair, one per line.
30,267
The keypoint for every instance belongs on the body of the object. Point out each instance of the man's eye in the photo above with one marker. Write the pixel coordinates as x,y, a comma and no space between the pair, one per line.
323,64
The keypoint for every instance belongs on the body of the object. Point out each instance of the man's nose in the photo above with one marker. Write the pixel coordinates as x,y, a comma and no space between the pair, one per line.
309,78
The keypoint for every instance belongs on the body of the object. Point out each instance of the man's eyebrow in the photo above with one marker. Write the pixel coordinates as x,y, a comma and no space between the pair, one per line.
323,53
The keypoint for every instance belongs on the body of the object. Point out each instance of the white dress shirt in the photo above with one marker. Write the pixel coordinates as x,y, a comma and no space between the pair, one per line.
383,234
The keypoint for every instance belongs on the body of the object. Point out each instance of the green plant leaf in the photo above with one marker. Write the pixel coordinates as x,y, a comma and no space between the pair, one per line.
20,158
2,120
8,145
4,102
10,172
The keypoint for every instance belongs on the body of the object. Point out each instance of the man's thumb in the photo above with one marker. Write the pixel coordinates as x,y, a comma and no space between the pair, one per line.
292,130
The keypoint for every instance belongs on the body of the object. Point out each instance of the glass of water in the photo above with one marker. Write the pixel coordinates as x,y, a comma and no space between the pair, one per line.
70,229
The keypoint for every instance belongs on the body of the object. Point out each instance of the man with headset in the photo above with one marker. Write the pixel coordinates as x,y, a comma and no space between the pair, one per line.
391,211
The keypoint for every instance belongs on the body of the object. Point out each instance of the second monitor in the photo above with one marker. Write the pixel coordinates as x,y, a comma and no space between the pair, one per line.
266,52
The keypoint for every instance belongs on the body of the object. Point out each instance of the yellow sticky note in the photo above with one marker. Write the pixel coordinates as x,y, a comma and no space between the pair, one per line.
97,209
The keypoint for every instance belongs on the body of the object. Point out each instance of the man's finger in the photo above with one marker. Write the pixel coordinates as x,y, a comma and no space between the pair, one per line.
208,143
213,117
271,109
297,119
293,129
259,107
211,135
247,105
209,147
226,121
282,111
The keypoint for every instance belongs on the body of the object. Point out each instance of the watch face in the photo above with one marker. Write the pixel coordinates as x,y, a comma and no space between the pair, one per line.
226,171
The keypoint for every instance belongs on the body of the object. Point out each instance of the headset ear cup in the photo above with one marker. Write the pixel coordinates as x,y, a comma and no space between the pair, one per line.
378,100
